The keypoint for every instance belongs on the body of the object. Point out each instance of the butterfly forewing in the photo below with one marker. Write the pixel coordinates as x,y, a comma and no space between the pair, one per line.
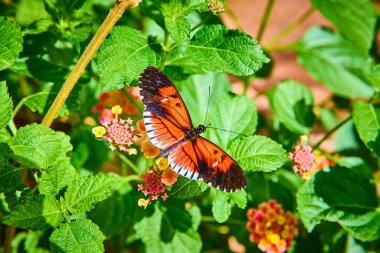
168,123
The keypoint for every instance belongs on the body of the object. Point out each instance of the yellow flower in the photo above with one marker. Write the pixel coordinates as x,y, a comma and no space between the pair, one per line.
98,131
116,109
162,163
143,202
132,151
273,238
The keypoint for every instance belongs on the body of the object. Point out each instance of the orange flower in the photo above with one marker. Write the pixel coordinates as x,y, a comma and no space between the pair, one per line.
149,150
169,177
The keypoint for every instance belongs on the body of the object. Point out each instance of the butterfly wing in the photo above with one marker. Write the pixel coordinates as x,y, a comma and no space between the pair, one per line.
165,115
202,159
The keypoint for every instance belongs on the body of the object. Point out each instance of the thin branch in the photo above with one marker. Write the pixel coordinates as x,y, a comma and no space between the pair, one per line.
114,15
265,19
291,27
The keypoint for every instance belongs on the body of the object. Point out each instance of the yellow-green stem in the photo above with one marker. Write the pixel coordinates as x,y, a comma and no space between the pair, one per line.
265,19
114,15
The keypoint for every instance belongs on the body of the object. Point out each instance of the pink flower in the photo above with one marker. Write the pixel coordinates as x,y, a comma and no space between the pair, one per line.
303,158
169,177
118,132
271,228
152,185
216,6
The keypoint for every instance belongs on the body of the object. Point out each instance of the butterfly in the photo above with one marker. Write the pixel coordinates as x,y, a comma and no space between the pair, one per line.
169,127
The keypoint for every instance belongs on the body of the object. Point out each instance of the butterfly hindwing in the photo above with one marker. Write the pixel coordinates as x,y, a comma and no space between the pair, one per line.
165,115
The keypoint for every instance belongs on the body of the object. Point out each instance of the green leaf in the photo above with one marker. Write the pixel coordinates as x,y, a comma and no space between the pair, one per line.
41,102
84,192
217,49
367,123
148,229
30,242
341,195
335,62
258,153
186,188
355,19
78,236
120,208
9,176
37,146
6,105
235,113
10,42
123,56
179,30
60,174
35,213
195,92
293,104
222,203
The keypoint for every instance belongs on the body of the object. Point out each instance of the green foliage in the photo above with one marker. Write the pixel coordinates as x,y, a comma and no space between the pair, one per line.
223,202
10,42
123,56
35,213
292,105
335,62
186,188
84,192
217,49
6,105
227,110
36,146
77,236
258,153
355,19
367,123
341,195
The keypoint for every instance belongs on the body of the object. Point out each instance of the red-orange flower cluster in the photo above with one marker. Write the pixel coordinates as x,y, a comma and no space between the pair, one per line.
271,228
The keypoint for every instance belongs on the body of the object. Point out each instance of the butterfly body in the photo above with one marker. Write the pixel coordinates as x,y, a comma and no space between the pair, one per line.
169,127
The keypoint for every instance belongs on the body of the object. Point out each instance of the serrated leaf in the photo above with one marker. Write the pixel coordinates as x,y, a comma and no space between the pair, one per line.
78,236
120,208
258,153
186,188
235,113
222,203
195,89
35,213
123,56
6,105
179,29
148,229
352,203
37,146
217,49
40,102
10,42
84,192
355,19
10,178
335,62
293,104
60,174
367,123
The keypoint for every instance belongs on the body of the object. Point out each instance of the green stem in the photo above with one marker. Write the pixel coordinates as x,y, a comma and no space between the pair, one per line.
291,27
139,106
329,133
281,48
12,127
165,52
202,22
133,178
265,19
129,163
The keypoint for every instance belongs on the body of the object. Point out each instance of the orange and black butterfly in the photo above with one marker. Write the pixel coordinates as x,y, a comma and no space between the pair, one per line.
169,127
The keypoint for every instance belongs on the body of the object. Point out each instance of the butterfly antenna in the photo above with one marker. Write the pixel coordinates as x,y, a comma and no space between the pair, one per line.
208,104
220,129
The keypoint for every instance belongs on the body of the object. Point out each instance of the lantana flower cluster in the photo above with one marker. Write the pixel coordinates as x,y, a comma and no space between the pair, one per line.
155,180
271,228
119,133
216,6
307,161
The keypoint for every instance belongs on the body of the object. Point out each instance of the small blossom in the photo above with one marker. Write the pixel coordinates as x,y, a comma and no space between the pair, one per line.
106,116
152,185
216,6
162,163
235,246
303,158
116,109
118,133
99,131
149,150
143,202
169,177
271,228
